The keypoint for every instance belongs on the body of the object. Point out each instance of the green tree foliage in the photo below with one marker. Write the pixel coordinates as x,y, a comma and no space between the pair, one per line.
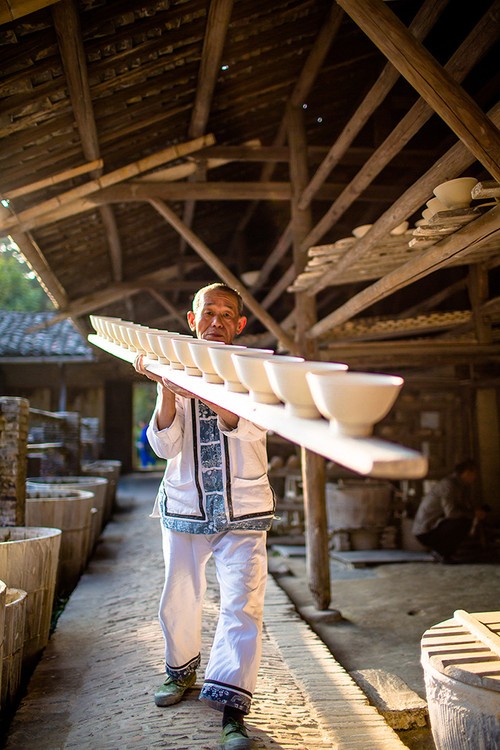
19,287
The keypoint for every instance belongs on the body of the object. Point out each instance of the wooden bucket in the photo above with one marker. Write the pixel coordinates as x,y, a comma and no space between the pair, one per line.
3,599
15,623
97,485
110,470
71,511
28,561
461,661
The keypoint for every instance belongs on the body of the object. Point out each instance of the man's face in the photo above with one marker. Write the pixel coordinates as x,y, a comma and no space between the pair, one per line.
217,317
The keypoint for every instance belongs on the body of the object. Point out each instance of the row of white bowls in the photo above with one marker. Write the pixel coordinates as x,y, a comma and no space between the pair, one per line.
352,401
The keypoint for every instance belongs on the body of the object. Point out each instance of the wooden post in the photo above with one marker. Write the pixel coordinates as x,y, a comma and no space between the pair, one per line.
14,417
313,465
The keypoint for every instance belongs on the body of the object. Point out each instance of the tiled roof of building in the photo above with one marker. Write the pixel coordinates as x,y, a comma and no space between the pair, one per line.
59,340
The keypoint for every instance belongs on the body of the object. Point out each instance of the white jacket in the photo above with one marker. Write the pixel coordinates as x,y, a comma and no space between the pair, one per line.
248,497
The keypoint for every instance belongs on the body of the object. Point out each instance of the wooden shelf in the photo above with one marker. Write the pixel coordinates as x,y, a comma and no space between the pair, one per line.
367,456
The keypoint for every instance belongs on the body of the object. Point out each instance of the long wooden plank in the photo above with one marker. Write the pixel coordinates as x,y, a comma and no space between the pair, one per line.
367,456
435,85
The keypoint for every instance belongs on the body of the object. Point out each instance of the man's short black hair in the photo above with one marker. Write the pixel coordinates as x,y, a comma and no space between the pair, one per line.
218,286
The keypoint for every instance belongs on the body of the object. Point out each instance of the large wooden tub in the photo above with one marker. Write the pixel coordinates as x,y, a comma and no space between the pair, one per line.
71,511
28,561
97,485
110,470
15,624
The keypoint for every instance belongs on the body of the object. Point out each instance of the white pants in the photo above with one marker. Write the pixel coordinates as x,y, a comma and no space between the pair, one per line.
241,566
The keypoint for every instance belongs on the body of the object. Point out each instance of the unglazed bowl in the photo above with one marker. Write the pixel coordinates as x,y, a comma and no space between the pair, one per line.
361,230
224,366
289,383
456,193
435,205
354,401
200,352
252,373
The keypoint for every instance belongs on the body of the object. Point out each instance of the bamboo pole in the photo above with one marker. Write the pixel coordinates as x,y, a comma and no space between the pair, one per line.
54,179
435,85
22,220
223,272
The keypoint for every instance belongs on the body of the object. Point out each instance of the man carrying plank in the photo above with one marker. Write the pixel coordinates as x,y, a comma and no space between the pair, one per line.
214,499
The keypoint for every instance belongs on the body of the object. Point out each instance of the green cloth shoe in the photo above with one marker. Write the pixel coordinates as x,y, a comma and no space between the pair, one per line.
172,690
235,737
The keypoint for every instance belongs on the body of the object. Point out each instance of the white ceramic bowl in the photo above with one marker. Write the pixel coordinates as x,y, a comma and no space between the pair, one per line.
167,346
120,334
427,214
361,230
200,352
400,229
456,193
224,366
156,351
353,401
289,383
252,373
181,348
435,205
131,334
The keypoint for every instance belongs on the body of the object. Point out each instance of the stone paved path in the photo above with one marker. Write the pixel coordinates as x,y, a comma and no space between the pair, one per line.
92,689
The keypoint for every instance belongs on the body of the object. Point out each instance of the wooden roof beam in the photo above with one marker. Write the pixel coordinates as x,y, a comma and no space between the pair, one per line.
305,82
69,39
420,26
24,220
114,293
433,83
219,15
14,9
438,256
470,51
223,273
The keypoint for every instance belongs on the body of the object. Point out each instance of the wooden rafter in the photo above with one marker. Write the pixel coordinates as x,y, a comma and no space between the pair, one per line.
452,164
114,293
10,10
27,219
301,90
470,51
419,28
435,85
69,39
219,15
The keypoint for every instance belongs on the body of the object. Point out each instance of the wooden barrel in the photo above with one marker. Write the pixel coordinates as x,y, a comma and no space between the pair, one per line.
110,470
15,623
3,599
97,485
461,661
28,561
71,511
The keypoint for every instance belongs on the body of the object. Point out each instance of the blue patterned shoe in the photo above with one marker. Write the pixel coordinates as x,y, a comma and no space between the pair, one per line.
172,690
235,737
